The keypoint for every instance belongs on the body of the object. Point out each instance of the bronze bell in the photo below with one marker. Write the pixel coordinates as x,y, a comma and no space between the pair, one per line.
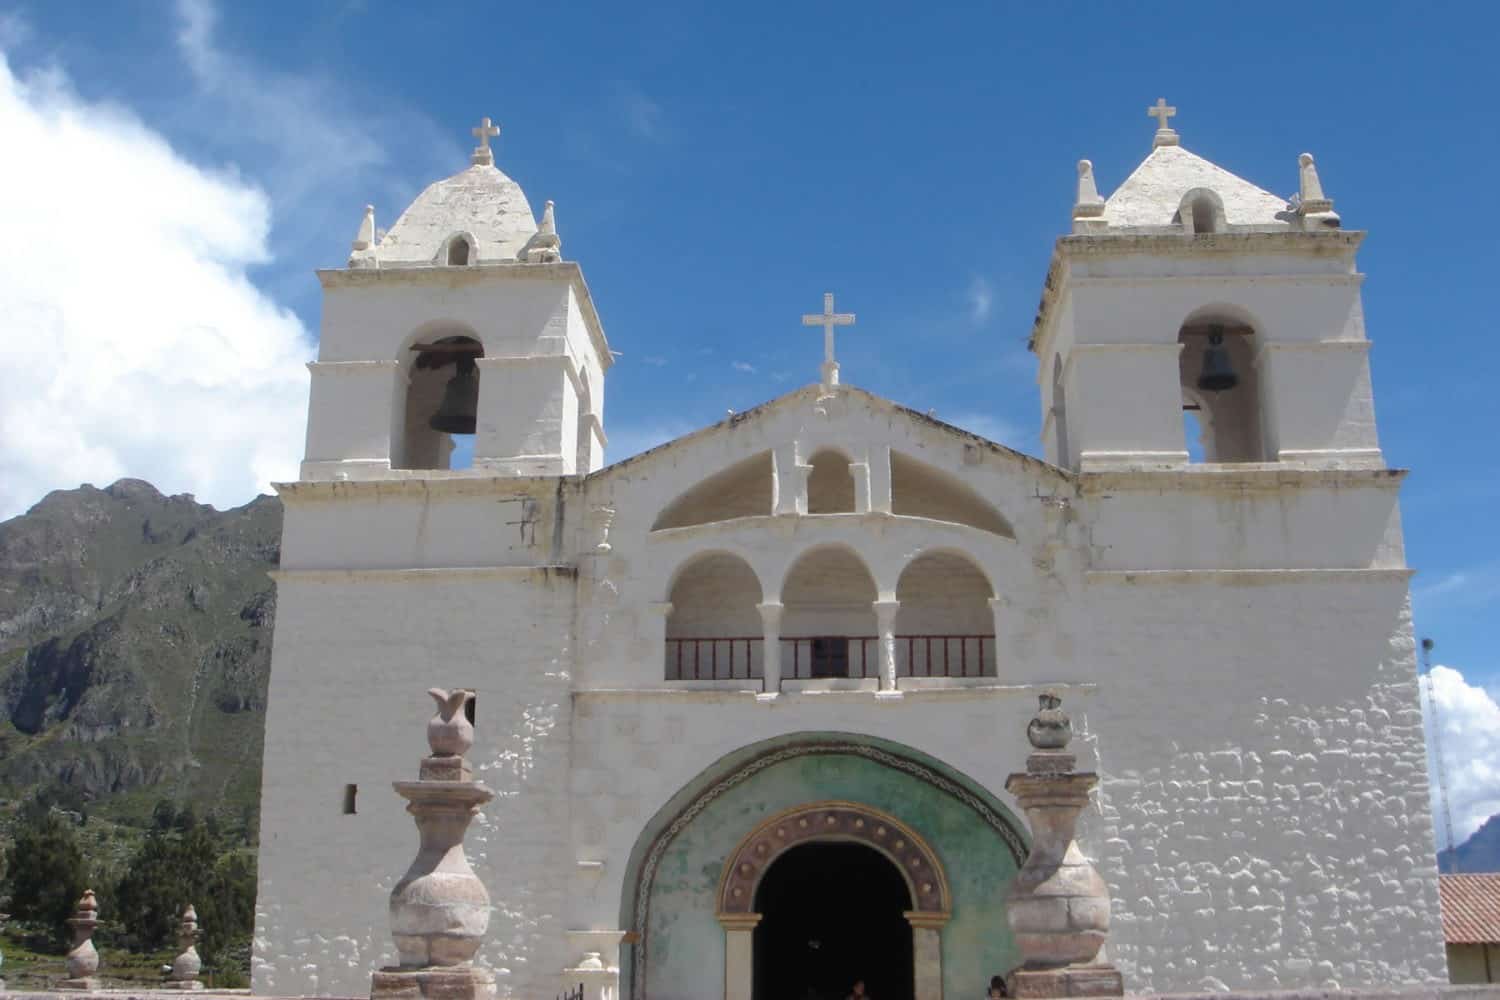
1218,371
456,414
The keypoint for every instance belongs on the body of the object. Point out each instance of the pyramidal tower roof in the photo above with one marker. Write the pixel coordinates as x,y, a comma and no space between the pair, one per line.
481,206
1168,183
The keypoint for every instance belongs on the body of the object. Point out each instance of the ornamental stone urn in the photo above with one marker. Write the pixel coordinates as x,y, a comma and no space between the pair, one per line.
439,909
83,960
1058,907
187,965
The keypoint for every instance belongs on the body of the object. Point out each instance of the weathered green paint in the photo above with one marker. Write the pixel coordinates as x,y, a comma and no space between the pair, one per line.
686,943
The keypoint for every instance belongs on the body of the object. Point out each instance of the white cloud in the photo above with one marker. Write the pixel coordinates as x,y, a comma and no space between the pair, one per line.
981,298
642,115
134,342
1470,739
655,360
743,366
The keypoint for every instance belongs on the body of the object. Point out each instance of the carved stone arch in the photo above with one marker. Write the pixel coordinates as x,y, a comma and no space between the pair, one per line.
837,822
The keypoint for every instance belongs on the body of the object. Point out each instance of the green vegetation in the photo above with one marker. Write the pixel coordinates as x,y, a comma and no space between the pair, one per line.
135,635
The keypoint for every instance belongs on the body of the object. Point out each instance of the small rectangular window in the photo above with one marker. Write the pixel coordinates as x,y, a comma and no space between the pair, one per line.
350,791
469,707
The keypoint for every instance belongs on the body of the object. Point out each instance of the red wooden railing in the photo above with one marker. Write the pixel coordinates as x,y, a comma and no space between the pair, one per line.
741,657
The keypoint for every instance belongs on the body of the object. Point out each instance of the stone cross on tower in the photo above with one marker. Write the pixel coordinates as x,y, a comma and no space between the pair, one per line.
1165,134
828,319
485,131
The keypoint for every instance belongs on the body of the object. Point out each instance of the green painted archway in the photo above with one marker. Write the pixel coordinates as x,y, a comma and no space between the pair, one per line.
679,859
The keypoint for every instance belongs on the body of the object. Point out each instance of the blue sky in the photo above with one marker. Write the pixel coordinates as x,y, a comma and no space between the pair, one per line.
717,167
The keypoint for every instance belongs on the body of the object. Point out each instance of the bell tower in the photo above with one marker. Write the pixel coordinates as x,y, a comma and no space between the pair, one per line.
463,321
1193,317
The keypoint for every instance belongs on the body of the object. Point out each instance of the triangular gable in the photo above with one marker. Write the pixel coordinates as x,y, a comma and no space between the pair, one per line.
1152,194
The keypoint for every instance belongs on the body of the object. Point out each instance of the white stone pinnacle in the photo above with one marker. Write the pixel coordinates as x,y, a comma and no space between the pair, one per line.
484,131
1088,203
1165,134
828,319
365,238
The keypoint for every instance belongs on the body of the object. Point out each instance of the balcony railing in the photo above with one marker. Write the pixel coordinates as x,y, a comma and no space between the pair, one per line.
741,657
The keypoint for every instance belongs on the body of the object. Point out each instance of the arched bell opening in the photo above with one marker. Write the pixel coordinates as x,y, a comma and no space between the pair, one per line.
1221,391
442,402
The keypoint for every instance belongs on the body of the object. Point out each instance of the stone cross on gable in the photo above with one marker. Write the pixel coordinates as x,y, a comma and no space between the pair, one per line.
485,131
828,319
1161,111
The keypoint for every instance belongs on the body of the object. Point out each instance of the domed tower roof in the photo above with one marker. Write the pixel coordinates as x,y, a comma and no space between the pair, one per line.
481,207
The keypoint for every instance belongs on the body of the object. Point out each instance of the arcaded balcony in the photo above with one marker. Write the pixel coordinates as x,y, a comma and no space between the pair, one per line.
829,624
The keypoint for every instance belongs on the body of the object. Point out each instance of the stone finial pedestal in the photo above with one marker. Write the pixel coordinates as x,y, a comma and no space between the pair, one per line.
440,909
1058,909
187,965
83,960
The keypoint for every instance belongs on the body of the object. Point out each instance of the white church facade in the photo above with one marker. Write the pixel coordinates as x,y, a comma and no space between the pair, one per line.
749,699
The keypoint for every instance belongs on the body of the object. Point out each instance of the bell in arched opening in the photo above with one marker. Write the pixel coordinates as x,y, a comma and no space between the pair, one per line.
1218,372
458,411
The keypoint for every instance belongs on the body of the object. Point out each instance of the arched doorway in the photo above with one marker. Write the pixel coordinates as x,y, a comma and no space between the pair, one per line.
832,913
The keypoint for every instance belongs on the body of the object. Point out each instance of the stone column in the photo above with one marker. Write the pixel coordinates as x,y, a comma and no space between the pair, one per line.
739,954
885,628
1058,908
83,960
187,965
440,910
661,610
927,954
770,660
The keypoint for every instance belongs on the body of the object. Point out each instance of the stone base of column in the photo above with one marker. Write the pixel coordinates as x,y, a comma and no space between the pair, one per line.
182,984
86,985
458,983
1074,981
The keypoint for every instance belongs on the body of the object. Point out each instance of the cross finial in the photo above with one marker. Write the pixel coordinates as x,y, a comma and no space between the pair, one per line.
828,319
485,131
1161,111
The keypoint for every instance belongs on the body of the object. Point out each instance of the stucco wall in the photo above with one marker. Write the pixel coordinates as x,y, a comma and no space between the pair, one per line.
353,654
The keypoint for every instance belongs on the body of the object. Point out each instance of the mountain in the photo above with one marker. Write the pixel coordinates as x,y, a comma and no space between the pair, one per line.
135,647
1480,853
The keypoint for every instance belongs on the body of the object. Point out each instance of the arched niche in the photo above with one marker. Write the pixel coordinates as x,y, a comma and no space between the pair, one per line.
828,627
1201,211
714,630
945,626
830,484
922,490
432,359
741,490
1229,419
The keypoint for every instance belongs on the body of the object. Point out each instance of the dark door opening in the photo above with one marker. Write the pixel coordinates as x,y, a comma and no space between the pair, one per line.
831,914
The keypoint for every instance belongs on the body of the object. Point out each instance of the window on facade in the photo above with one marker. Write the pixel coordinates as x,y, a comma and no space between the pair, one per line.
458,251
1220,392
830,485
350,793
829,656
442,404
